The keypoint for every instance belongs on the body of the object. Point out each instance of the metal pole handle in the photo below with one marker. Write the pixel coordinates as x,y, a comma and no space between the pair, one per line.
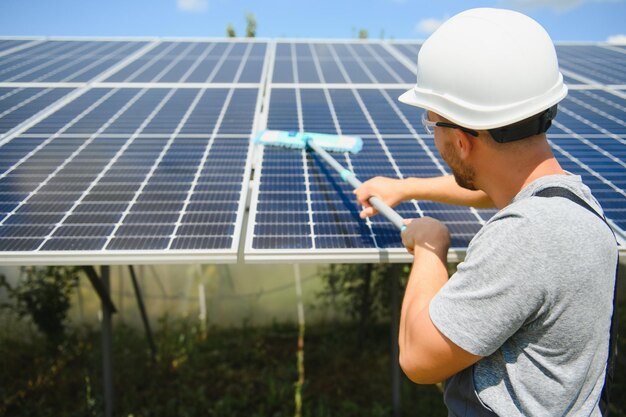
348,176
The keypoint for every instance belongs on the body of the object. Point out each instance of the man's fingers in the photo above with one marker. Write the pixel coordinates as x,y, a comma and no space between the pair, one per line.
368,212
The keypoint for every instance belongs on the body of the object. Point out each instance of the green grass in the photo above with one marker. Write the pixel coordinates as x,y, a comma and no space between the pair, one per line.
248,371
234,372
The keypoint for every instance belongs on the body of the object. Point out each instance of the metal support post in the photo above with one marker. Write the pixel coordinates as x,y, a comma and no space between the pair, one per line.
107,344
101,285
103,293
396,376
142,310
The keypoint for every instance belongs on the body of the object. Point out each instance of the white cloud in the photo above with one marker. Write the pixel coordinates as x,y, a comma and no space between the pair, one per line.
617,39
192,5
558,5
429,25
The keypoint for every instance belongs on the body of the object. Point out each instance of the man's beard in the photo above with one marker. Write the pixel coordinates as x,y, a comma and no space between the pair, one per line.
463,174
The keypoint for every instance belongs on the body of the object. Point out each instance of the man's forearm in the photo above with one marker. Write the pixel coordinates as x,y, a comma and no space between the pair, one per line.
428,274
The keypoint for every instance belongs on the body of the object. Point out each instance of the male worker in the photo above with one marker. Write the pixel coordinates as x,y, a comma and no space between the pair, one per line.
522,327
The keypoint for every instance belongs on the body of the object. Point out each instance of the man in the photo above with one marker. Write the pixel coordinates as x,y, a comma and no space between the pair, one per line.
522,327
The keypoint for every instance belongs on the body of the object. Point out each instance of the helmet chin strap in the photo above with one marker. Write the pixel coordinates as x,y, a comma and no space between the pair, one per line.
535,125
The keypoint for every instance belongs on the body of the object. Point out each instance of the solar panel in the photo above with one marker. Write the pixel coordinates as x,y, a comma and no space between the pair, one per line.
301,210
123,174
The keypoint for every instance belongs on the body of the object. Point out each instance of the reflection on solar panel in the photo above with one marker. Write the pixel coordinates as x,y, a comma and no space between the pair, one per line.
135,151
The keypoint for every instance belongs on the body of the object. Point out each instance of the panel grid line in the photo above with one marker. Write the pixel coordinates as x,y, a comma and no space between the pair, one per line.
303,152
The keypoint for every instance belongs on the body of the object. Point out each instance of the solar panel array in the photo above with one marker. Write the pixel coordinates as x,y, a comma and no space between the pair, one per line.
137,151
147,156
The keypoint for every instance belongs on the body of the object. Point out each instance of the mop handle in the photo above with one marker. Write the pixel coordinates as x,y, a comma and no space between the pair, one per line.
349,177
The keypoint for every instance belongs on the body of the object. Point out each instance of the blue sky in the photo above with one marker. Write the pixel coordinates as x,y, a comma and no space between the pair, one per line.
565,20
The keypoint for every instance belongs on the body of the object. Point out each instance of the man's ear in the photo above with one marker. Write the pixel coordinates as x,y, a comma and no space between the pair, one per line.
464,143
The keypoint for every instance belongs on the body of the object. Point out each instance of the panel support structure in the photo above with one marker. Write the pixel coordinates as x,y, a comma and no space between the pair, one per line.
107,345
142,310
396,375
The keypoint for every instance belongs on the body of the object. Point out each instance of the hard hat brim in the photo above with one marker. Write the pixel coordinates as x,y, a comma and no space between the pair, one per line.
481,117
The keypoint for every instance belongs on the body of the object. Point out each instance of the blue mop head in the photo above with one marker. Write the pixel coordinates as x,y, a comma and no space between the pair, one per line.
336,143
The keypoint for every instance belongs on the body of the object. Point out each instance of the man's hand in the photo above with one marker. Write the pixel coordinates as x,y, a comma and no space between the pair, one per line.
428,234
390,190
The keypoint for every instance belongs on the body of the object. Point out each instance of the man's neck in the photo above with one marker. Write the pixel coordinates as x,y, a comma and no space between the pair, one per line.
506,176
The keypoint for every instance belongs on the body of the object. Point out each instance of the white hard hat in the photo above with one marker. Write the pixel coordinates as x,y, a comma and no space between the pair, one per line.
487,68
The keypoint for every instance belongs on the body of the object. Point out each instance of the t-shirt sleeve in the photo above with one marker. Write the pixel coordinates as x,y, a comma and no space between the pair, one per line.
495,291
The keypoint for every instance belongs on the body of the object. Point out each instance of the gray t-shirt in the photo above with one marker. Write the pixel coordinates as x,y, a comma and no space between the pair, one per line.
534,297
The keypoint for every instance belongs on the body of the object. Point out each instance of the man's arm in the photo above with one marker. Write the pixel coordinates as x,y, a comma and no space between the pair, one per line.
442,189
426,355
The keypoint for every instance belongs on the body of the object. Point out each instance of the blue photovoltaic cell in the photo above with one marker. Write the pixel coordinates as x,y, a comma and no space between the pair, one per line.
19,104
